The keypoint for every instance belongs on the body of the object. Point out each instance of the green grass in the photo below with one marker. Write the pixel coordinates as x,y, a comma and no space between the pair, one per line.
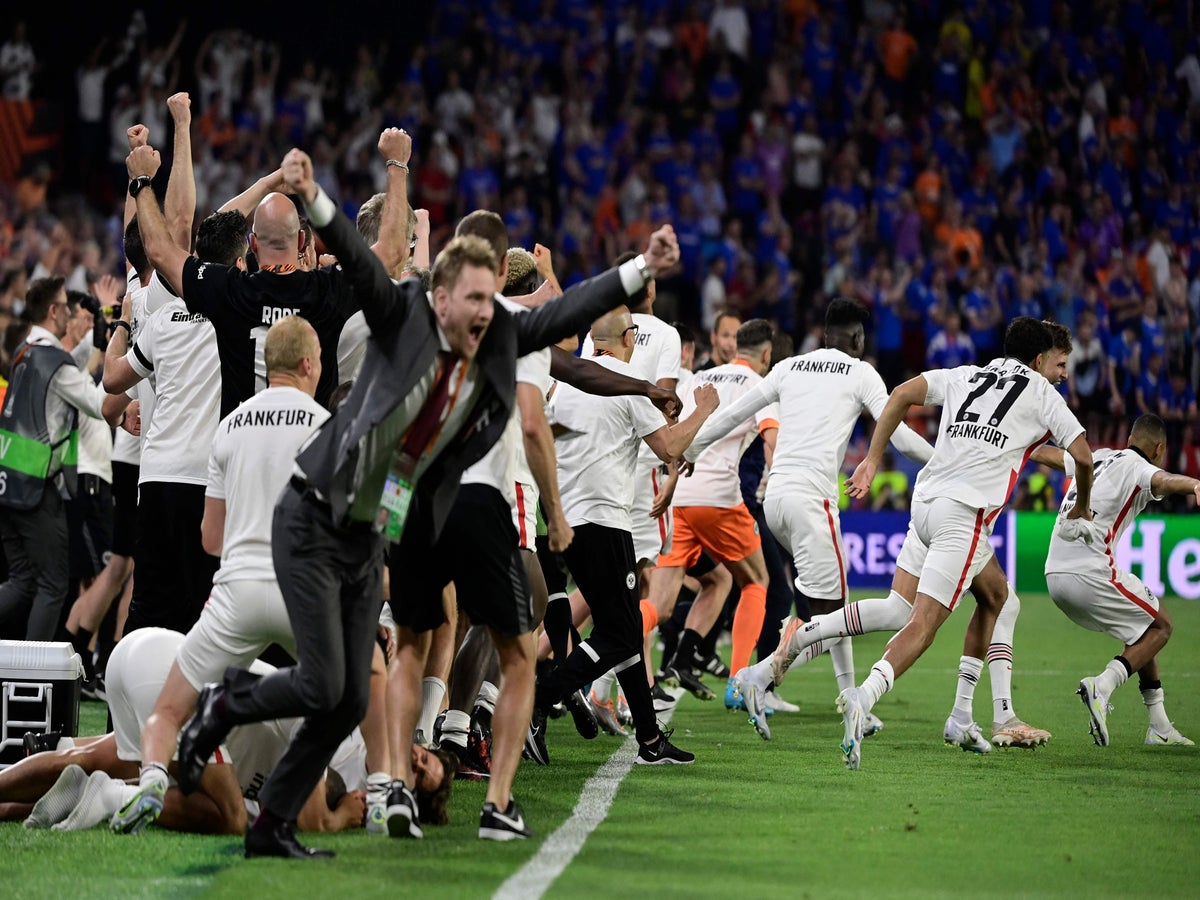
774,819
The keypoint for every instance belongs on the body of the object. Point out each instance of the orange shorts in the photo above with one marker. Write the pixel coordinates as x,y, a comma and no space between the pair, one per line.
727,534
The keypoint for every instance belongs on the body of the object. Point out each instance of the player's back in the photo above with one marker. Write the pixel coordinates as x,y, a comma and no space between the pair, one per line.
1120,491
714,481
253,455
992,419
821,394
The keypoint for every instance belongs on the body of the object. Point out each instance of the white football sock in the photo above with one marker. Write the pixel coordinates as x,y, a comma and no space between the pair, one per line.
1000,659
433,691
488,693
842,654
602,686
455,727
878,683
1153,699
969,670
1114,675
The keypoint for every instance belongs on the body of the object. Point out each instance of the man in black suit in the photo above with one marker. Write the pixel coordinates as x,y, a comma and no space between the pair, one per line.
434,395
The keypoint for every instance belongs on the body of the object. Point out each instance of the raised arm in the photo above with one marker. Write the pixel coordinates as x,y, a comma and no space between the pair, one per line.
729,417
599,381
373,286
179,206
138,136
912,393
395,146
247,201
584,303
164,254
669,442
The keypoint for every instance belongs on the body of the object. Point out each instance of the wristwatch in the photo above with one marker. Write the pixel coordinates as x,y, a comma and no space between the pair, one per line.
135,186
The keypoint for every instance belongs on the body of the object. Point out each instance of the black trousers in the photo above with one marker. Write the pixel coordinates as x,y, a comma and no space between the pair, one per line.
601,561
331,580
35,545
174,574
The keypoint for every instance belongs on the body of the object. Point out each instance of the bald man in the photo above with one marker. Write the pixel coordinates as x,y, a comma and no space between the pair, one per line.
597,444
242,306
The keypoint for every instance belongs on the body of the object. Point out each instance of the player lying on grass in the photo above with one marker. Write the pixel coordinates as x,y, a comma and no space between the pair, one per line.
83,785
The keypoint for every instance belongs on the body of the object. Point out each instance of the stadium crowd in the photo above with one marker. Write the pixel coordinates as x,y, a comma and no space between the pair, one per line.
766,175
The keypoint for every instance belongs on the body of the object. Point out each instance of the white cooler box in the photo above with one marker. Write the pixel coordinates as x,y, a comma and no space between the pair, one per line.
40,683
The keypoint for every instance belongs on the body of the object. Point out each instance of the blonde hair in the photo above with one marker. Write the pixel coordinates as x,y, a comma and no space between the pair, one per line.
289,341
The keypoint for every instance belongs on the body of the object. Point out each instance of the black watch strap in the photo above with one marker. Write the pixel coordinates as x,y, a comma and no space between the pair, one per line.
136,185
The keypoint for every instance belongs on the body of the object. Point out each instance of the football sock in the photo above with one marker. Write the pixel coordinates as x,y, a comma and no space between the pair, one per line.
1152,696
433,691
455,727
842,654
747,625
876,614
685,651
151,773
1000,658
878,683
602,687
969,670
1114,675
488,693
557,623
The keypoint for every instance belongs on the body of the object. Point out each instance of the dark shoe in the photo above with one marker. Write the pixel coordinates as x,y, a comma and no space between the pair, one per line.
279,841
503,825
585,722
689,681
402,817
481,720
662,700
712,665
40,743
474,758
438,724
94,689
535,740
200,737
663,753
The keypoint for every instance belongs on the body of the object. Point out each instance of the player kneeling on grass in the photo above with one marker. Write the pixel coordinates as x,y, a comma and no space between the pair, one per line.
1085,583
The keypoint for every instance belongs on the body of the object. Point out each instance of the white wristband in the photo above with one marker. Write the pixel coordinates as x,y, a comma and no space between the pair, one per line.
1069,464
321,210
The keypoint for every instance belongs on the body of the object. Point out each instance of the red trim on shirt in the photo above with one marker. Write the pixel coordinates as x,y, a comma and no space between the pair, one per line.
1114,578
1015,474
521,514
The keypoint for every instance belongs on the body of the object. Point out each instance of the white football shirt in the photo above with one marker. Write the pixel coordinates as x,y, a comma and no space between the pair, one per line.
715,481
143,301
992,420
821,395
251,462
505,463
597,455
1120,491
179,350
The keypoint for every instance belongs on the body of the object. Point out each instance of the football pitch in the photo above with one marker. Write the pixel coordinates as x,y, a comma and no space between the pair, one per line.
754,819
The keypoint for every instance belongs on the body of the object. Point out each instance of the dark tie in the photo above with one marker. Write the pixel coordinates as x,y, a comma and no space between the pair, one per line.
428,423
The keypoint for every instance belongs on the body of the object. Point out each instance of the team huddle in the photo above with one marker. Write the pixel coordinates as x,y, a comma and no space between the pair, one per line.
337,432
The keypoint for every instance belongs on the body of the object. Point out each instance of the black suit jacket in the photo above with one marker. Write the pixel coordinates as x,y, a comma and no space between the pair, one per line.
402,348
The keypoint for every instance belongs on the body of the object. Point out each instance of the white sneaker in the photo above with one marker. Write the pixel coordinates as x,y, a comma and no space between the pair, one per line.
1098,708
969,736
753,696
850,706
871,724
1154,739
56,804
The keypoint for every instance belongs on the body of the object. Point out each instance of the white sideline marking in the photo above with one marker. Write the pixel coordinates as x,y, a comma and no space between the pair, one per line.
534,878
